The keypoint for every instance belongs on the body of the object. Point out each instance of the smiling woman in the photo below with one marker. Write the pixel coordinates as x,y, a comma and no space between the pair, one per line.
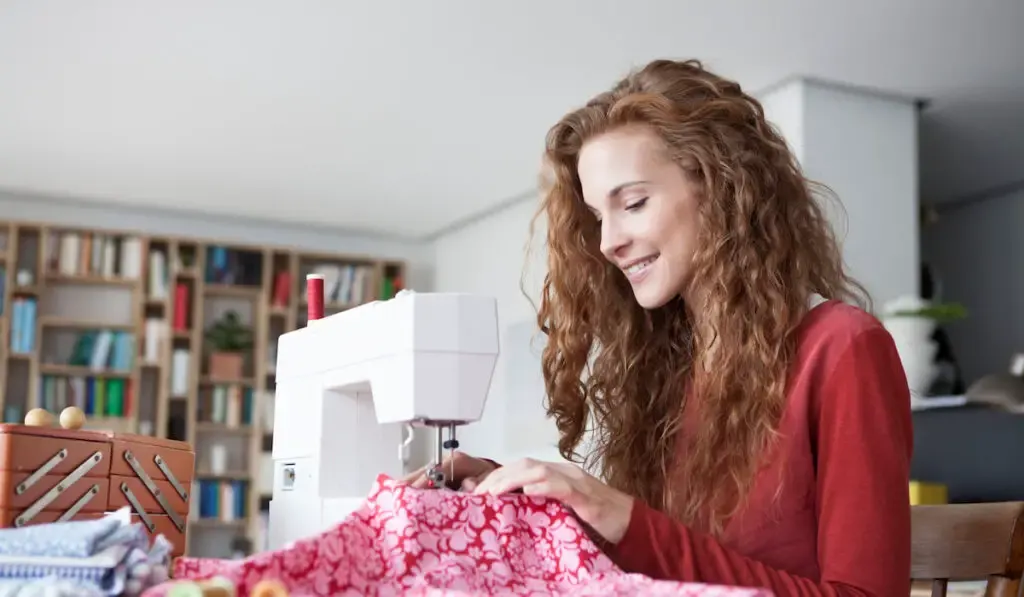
647,209
751,422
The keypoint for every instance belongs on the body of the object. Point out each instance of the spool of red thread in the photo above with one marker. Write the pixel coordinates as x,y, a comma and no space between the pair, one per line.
314,297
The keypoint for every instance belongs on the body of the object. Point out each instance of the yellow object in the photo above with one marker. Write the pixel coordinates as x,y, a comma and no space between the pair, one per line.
185,589
215,587
922,493
38,417
269,588
72,417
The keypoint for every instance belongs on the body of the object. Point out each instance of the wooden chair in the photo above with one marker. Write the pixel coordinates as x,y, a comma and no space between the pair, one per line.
960,542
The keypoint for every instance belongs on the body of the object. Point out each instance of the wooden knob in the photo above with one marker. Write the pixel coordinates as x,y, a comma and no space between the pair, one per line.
72,417
38,417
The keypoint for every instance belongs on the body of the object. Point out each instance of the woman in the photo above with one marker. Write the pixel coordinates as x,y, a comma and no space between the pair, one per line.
750,425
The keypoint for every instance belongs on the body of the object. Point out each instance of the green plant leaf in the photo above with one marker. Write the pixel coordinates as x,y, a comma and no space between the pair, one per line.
942,313
229,334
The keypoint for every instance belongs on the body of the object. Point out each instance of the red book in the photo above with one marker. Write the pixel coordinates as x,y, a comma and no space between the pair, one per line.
282,286
181,306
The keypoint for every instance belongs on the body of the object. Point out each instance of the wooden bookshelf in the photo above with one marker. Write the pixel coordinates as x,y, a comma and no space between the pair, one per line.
154,298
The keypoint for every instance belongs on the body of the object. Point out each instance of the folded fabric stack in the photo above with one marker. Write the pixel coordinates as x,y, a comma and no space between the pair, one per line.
85,558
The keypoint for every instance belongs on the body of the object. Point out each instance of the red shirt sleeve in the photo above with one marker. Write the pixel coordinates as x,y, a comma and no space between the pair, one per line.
864,444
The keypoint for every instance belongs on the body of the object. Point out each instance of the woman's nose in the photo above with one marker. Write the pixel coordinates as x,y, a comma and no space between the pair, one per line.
612,239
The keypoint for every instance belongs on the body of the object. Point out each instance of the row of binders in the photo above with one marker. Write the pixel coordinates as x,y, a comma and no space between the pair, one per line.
220,500
23,325
97,397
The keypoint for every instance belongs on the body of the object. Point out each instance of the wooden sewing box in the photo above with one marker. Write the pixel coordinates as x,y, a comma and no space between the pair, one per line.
50,474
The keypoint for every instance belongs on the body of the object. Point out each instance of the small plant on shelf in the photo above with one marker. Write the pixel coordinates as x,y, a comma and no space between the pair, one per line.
912,321
228,340
939,312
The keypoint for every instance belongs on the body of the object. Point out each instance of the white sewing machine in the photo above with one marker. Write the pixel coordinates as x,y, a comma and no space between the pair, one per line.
350,388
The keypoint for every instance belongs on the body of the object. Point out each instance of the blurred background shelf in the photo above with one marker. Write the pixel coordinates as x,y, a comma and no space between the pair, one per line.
167,336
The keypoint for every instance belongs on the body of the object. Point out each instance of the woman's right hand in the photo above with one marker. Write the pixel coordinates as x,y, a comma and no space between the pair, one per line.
469,472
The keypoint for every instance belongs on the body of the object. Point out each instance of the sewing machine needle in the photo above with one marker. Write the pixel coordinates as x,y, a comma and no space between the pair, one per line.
440,454
452,444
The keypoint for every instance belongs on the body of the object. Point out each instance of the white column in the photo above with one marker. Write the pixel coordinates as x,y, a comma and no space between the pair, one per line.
863,145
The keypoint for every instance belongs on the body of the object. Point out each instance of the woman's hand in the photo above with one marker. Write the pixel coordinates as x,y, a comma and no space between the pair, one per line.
604,509
469,472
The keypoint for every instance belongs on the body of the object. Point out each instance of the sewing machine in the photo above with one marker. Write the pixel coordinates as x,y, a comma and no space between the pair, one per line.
352,387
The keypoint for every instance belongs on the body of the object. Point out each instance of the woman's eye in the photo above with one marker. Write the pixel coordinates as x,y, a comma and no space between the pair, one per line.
636,204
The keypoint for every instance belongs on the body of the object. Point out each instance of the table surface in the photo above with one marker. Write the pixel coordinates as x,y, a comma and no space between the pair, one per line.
955,589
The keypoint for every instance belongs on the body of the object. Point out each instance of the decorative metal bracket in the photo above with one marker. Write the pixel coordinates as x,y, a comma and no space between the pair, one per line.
47,498
151,486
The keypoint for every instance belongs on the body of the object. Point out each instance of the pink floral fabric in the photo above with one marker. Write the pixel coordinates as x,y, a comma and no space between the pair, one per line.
406,541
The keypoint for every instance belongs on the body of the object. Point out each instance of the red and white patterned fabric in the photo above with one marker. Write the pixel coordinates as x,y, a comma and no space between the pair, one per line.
406,541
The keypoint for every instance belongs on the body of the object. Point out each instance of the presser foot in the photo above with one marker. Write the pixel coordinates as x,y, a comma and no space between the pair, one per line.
436,479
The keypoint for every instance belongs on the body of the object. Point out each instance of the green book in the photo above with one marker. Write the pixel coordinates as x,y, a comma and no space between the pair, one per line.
115,398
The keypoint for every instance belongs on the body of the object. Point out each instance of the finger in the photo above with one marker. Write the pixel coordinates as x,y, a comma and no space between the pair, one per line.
467,466
542,489
463,465
511,478
470,483
415,475
489,482
512,483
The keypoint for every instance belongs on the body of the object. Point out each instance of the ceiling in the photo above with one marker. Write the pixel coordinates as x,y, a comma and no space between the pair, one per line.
403,117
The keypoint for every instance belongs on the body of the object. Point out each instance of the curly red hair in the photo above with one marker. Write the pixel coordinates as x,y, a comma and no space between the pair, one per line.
765,246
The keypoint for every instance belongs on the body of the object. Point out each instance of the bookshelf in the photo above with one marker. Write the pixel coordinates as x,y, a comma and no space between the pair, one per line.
168,336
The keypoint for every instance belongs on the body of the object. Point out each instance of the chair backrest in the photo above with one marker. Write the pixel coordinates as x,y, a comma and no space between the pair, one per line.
969,542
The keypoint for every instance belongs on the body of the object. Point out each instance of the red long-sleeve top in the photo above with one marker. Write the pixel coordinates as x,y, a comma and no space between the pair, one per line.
839,523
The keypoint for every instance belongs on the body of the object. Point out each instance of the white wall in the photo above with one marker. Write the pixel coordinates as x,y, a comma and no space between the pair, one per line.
863,145
488,257
784,108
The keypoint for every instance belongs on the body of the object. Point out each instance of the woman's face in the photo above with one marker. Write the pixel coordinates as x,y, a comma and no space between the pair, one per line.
647,207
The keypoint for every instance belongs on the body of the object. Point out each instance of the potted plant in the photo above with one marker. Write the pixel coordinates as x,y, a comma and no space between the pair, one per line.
228,339
911,322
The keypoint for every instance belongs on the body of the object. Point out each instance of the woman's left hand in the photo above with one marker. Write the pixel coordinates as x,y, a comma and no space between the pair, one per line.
604,509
